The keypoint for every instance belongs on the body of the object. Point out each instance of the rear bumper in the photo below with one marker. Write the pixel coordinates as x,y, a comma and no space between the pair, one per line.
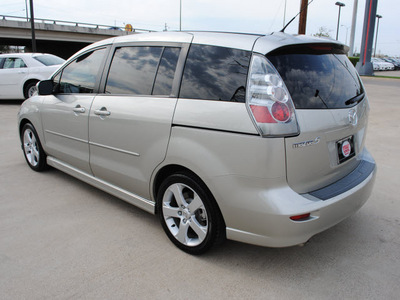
264,219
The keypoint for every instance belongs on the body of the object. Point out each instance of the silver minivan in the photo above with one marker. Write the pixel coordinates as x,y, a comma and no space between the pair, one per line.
254,138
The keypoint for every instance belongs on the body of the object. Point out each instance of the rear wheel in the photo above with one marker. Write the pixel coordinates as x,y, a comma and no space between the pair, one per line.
30,89
33,151
189,214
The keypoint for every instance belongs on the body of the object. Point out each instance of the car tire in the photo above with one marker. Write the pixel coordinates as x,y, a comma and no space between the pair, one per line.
30,89
32,148
189,214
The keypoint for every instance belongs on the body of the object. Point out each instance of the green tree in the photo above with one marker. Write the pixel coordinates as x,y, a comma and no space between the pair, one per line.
4,48
322,32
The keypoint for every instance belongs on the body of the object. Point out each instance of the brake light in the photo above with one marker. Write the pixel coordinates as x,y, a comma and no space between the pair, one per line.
268,100
321,47
280,111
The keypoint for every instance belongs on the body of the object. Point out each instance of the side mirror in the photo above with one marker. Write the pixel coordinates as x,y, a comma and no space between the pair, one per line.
45,87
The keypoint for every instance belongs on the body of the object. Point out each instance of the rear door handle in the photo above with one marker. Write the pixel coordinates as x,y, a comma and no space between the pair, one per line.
79,109
102,112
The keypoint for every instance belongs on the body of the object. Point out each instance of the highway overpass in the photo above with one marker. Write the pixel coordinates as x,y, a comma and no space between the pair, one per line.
62,38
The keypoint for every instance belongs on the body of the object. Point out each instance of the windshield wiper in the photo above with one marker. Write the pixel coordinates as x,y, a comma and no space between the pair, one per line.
355,99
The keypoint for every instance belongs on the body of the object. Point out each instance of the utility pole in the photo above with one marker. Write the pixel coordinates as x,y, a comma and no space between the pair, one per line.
33,27
303,17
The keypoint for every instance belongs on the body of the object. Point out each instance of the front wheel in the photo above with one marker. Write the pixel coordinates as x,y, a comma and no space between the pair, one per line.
33,151
189,214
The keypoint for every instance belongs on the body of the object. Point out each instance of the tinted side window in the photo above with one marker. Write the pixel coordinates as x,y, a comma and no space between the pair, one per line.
166,72
215,73
133,70
80,75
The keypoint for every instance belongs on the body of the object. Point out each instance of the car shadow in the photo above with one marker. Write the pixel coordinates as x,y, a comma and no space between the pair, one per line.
12,102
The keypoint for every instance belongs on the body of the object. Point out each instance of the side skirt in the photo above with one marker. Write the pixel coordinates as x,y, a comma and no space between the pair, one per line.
129,197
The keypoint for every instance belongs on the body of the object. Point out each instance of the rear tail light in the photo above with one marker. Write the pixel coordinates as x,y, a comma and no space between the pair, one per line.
269,101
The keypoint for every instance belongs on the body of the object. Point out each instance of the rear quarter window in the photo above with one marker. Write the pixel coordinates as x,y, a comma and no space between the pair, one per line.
215,73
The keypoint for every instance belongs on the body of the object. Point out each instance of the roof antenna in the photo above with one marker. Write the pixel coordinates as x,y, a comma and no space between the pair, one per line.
304,7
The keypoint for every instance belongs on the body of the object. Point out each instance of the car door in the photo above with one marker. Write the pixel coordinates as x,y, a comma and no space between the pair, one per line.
65,113
129,125
12,76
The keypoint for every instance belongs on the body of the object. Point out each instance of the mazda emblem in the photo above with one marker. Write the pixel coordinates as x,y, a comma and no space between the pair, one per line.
353,119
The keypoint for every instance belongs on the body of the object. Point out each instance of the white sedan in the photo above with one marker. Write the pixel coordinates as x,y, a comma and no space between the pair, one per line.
19,73
381,65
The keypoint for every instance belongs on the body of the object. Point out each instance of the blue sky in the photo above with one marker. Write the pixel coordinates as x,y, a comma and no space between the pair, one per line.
256,16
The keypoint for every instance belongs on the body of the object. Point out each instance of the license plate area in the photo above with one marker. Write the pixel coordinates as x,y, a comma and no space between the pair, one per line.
345,149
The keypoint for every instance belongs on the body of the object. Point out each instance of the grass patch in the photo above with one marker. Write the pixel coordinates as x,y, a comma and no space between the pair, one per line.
381,76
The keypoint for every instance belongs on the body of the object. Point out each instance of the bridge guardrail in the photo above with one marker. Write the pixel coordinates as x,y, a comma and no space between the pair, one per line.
70,23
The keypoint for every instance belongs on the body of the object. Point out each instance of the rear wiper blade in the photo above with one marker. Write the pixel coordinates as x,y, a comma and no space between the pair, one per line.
355,99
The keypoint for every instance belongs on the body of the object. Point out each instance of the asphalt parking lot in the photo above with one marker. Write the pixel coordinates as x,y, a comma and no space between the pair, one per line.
63,239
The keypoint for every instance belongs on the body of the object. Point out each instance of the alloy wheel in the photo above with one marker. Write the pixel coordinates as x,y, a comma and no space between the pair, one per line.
185,214
31,148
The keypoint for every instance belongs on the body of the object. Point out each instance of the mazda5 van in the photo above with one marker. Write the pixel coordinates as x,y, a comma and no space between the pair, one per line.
254,138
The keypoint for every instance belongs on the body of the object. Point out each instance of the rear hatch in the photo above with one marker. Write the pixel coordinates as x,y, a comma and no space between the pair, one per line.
331,111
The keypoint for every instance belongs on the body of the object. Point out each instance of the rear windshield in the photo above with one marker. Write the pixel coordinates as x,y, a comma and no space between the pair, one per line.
49,60
319,81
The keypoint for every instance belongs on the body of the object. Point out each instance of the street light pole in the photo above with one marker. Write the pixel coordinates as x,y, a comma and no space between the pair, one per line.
180,15
340,4
26,10
353,28
347,30
284,15
376,37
